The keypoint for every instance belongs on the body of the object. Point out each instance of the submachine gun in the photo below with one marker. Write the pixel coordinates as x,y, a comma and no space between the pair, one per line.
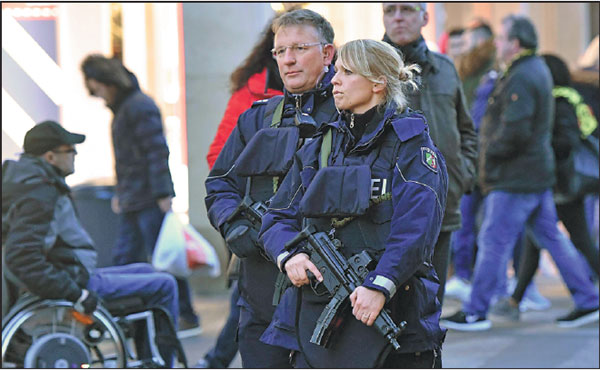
340,278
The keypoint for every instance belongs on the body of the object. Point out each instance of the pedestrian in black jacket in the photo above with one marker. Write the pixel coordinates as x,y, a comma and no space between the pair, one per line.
144,186
47,251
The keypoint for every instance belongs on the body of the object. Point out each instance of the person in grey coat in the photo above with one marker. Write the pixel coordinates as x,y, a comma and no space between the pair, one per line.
440,97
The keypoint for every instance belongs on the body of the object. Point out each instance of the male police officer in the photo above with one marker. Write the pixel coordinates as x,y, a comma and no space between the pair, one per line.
440,97
303,50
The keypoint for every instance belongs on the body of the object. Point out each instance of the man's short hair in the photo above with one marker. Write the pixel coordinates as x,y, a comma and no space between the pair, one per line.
521,29
110,72
306,17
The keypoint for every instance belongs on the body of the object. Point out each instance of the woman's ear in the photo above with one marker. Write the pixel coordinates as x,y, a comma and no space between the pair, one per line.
379,87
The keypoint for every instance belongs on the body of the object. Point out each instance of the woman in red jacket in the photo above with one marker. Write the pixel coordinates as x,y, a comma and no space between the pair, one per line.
255,79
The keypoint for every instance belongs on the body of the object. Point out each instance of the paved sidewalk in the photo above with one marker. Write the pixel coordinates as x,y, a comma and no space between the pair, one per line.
534,342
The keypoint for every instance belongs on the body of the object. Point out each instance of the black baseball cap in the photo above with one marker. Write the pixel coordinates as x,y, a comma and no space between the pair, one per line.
48,135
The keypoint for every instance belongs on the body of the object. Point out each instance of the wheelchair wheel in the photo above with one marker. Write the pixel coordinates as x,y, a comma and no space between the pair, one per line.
51,334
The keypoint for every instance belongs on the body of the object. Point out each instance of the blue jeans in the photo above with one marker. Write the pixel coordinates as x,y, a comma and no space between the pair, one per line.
506,216
463,239
221,355
138,232
139,280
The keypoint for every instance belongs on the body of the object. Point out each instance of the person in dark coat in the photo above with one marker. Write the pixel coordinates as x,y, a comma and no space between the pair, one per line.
442,101
303,51
377,154
144,188
47,252
516,173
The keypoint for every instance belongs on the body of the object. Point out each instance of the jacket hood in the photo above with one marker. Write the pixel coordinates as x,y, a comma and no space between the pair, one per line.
28,170
480,58
122,95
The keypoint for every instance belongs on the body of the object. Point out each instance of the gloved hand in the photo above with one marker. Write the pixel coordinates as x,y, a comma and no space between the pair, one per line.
241,238
87,302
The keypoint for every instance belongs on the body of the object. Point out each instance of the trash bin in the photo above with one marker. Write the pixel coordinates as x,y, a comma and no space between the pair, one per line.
92,201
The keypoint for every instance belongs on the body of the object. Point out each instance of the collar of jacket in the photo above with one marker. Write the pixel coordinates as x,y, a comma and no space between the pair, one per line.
416,52
367,138
321,92
481,58
48,174
518,59
123,95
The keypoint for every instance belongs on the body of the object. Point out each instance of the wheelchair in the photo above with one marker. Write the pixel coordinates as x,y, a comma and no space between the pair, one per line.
46,333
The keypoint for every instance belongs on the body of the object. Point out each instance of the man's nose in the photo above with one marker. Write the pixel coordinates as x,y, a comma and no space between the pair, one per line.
289,57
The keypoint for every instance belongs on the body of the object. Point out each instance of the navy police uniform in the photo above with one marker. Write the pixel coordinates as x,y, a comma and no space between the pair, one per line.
407,190
228,183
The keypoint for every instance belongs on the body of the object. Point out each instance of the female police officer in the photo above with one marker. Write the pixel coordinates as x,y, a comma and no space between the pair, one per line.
375,181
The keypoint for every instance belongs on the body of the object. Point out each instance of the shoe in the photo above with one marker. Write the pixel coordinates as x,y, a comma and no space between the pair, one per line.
465,322
578,318
202,364
458,288
534,300
188,328
505,309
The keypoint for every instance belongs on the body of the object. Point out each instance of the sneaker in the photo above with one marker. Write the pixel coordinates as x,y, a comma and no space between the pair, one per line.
465,322
188,328
506,309
458,288
578,318
534,300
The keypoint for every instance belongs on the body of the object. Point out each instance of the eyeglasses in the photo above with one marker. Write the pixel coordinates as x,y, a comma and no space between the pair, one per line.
72,150
404,9
298,49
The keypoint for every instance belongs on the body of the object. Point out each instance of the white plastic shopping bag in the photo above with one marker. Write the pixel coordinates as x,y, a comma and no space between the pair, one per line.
180,249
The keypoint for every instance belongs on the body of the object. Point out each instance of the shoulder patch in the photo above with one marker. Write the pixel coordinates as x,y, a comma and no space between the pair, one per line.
429,159
409,127
260,102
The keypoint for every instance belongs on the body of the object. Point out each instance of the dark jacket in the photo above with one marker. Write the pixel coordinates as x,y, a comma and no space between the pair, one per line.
440,97
47,250
399,231
225,188
141,152
515,136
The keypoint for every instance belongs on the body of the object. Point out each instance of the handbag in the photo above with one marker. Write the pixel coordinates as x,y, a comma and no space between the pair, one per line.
180,249
578,175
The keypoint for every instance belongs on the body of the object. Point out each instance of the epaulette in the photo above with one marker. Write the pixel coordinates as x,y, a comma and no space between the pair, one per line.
409,127
259,102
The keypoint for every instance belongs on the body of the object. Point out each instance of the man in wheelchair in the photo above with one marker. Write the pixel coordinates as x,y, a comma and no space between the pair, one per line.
49,254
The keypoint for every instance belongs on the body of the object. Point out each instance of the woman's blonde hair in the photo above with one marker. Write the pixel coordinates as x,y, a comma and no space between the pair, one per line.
375,59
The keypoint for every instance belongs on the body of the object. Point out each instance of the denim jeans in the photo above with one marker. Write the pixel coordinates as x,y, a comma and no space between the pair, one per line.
221,355
138,232
463,239
137,279
506,216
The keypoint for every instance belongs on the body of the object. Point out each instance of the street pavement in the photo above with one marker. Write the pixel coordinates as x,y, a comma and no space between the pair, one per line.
533,342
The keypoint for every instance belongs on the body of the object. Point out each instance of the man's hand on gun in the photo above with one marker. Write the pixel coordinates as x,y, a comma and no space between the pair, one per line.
366,304
296,268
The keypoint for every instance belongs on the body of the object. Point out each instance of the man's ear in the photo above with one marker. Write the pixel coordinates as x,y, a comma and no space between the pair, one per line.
49,157
425,18
328,52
